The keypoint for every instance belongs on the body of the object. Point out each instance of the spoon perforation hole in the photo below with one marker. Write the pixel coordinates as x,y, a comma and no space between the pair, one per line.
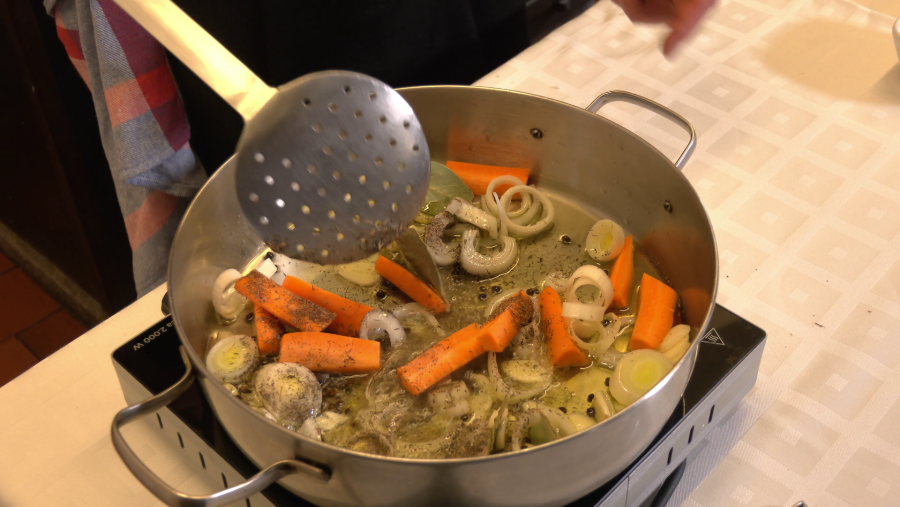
253,197
340,236
342,134
383,120
305,209
316,231
406,124
371,203
372,96
336,175
408,189
321,192
351,156
307,102
327,149
295,186
259,157
300,247
362,179
264,220
356,219
291,226
368,137
415,147
333,107
347,89
324,253
393,143
279,203
358,114
386,184
317,127
312,169
331,214
269,180
286,163
401,166
378,161
394,207
347,197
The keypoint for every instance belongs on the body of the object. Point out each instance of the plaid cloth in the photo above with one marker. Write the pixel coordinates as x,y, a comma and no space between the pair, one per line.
142,123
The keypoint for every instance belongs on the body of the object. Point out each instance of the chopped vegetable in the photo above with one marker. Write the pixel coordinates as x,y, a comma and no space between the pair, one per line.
445,357
547,212
655,311
384,321
605,241
478,176
603,404
675,353
441,253
676,342
508,318
268,331
562,350
232,359
637,373
506,393
289,391
330,353
486,265
581,421
587,275
348,315
621,274
361,272
403,311
526,371
465,211
411,285
267,267
450,398
227,302
525,205
284,304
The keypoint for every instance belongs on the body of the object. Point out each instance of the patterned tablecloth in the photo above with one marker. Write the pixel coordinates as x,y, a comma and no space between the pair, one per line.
797,109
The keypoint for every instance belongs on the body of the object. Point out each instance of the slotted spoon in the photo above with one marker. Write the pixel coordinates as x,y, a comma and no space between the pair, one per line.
331,167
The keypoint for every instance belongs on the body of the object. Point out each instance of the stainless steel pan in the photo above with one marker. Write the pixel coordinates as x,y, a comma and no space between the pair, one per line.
576,156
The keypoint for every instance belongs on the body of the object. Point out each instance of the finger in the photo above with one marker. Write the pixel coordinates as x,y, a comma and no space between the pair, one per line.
688,16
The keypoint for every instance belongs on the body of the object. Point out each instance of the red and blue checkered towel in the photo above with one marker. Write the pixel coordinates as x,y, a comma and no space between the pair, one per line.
142,123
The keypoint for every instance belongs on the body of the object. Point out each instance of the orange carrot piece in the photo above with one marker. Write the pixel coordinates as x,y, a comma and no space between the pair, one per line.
283,303
656,307
442,359
621,274
348,314
505,322
478,176
330,353
410,284
268,330
562,350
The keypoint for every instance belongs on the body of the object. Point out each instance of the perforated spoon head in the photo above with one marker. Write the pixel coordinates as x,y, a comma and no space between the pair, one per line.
333,168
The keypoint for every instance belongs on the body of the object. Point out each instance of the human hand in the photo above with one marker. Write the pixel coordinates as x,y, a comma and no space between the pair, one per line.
681,16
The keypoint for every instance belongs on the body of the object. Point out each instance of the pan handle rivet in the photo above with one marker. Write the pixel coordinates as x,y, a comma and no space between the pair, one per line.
536,133
667,206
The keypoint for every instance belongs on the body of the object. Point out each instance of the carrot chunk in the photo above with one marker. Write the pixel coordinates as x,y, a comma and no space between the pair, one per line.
621,274
268,330
348,314
282,303
410,284
656,308
330,353
478,176
561,348
442,359
505,322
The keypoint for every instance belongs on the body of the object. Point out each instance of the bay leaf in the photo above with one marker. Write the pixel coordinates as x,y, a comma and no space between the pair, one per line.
443,186
416,254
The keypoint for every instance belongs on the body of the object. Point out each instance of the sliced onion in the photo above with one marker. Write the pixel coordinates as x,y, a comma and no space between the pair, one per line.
506,392
442,253
506,179
637,372
385,321
267,268
674,337
492,304
408,309
233,359
588,275
605,240
502,428
227,301
288,390
581,421
467,212
310,429
609,359
547,212
558,420
480,264
328,421
587,328
603,405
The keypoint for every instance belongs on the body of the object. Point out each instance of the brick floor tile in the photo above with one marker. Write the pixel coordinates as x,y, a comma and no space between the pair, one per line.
51,334
14,360
22,303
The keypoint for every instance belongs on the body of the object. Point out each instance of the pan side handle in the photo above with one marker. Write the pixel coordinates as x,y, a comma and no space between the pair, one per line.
620,96
171,496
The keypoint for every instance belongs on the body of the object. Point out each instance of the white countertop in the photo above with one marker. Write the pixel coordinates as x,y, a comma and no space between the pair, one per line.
797,108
